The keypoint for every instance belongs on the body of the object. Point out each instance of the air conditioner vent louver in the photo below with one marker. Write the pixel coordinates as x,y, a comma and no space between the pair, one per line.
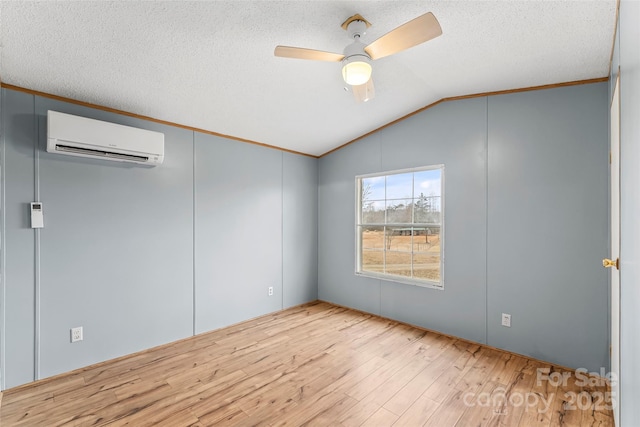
69,149
83,137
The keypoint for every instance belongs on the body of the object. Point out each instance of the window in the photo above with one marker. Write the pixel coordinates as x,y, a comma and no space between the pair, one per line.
399,225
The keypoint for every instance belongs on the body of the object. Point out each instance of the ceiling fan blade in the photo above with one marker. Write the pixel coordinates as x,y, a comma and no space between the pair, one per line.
364,92
419,30
302,53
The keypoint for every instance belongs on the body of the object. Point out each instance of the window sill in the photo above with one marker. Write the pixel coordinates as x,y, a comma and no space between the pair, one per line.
403,280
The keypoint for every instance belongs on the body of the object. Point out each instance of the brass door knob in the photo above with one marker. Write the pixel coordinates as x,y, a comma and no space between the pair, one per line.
606,263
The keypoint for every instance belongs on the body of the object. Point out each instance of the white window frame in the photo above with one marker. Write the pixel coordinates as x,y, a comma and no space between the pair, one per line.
391,277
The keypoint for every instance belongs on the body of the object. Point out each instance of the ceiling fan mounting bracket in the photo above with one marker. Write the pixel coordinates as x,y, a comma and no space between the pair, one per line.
356,17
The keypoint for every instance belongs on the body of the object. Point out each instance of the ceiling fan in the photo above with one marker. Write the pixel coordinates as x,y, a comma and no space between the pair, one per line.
356,58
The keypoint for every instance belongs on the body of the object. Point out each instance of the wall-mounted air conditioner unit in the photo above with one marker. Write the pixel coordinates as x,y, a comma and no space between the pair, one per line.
80,136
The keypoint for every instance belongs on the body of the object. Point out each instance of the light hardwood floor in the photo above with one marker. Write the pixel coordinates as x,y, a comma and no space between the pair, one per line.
317,364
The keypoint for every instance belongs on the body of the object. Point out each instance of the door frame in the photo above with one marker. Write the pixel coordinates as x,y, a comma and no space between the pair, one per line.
614,277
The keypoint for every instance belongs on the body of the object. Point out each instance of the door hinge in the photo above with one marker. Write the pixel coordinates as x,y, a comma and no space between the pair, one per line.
609,157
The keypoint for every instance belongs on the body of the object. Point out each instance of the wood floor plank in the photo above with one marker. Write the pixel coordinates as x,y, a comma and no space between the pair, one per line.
518,393
307,410
505,367
405,397
235,391
418,353
479,373
396,382
225,415
446,382
294,387
315,365
418,413
358,413
539,415
381,418
274,408
449,411
329,416
567,408
37,394
481,409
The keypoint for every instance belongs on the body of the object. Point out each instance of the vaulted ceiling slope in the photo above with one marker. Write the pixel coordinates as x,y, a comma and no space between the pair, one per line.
210,64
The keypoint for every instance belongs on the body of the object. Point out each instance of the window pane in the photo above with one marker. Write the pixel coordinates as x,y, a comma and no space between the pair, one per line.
427,209
372,237
426,239
400,186
427,189
372,188
427,183
398,239
373,212
399,211
373,261
398,263
427,266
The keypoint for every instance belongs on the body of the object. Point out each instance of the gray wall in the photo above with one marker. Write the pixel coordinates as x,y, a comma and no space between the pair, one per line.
143,256
421,140
2,296
239,231
299,224
627,54
548,224
19,131
116,253
525,222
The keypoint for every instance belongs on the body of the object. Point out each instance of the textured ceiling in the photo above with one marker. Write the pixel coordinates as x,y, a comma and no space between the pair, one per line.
210,64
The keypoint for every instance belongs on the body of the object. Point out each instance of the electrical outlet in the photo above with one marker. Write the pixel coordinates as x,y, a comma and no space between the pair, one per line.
506,320
76,334
270,291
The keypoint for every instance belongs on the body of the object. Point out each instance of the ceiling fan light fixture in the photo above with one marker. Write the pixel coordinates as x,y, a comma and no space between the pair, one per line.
365,92
356,70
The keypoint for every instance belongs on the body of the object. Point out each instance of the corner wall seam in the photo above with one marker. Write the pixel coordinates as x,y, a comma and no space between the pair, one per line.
193,231
282,230
3,294
486,225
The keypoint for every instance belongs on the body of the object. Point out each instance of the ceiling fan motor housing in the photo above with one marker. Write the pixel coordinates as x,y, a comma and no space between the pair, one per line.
355,49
